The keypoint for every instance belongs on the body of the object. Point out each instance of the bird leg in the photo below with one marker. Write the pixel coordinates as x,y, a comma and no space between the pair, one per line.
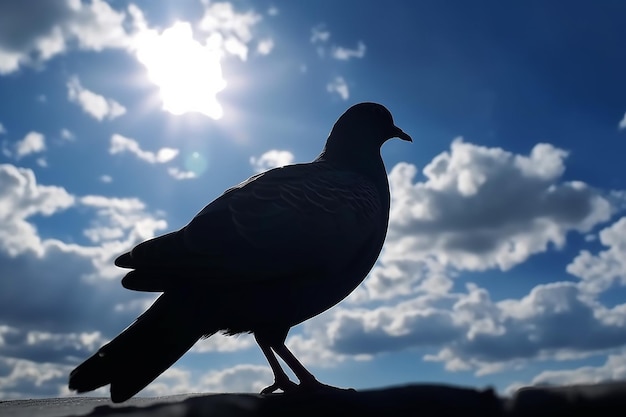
306,378
281,380
269,345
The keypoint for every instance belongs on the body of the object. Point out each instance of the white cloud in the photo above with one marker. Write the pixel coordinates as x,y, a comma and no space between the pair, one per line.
614,369
93,104
2,129
478,208
265,46
319,34
33,142
47,329
273,11
228,28
179,174
107,179
271,159
32,39
485,207
622,123
20,198
240,378
601,271
339,86
67,135
28,379
345,54
121,144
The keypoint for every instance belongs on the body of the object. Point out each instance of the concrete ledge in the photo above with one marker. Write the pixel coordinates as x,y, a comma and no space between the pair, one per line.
409,400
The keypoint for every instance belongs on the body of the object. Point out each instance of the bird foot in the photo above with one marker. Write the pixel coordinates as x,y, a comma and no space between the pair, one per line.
307,386
285,386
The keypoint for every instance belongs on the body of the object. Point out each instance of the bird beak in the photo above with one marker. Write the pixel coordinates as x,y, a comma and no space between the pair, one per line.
399,133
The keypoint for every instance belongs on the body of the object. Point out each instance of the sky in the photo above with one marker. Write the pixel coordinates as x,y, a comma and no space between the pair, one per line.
505,259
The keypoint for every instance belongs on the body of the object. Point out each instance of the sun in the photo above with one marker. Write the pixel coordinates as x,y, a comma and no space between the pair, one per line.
188,74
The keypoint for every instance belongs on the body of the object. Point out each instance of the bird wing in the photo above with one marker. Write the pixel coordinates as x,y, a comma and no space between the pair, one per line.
304,220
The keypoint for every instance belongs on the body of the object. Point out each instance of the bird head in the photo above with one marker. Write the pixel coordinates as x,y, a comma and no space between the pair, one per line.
371,122
359,133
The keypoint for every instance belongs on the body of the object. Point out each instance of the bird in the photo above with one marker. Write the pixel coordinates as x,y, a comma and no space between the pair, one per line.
271,252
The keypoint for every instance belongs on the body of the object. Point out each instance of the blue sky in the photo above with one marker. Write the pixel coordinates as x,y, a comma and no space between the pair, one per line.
505,259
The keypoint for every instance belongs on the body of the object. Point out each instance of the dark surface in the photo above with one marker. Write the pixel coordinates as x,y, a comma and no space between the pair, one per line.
411,400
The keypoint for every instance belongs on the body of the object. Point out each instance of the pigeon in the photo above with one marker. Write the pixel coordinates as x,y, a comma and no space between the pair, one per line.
269,253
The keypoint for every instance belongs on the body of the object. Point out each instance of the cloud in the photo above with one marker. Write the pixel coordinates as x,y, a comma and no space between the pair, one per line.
33,142
319,34
28,379
239,378
622,123
345,54
122,144
613,369
271,159
67,135
107,179
93,104
273,11
229,29
57,299
32,32
179,174
265,46
478,208
607,268
2,129
20,198
485,207
339,86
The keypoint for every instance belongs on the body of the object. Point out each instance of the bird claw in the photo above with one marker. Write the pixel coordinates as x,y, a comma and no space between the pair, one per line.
308,387
285,386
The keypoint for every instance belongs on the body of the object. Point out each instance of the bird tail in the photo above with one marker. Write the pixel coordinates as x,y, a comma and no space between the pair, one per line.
142,352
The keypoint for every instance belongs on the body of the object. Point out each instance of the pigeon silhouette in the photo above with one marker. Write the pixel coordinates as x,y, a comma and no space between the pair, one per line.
269,253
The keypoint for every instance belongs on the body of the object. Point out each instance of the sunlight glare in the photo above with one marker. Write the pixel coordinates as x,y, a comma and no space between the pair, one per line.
188,74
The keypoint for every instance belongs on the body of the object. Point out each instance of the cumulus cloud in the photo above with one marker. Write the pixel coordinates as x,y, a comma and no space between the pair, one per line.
28,379
57,299
599,272
240,378
33,142
339,86
478,208
613,369
228,28
346,54
271,159
122,144
622,123
93,104
30,38
20,198
485,207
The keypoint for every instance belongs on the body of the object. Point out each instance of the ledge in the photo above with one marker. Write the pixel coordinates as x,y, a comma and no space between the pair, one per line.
410,400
